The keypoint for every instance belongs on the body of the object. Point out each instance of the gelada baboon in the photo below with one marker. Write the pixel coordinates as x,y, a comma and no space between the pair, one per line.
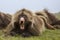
51,19
5,19
26,23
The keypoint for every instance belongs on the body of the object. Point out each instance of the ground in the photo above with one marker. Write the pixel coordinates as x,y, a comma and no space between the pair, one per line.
47,35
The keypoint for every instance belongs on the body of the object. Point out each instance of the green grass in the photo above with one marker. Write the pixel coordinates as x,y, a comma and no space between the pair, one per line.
47,35
57,15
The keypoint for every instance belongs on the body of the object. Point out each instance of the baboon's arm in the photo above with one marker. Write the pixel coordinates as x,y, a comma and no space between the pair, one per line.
8,29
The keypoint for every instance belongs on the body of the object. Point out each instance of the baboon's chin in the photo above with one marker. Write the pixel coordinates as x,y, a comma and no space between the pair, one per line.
22,28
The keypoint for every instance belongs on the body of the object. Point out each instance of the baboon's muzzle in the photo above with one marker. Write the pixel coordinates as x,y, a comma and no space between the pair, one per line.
22,21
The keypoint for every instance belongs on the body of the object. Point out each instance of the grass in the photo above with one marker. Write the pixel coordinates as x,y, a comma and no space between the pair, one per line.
47,35
57,15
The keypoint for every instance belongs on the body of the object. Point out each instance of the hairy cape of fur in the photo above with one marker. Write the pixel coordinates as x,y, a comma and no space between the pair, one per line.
40,20
51,19
5,19
36,28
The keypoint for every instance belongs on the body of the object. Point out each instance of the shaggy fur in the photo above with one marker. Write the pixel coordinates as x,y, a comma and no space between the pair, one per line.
51,19
5,19
34,24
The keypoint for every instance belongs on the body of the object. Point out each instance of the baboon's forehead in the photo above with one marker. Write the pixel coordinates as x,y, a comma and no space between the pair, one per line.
23,15
25,12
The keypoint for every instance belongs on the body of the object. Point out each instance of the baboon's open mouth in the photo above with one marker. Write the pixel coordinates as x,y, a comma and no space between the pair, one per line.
22,20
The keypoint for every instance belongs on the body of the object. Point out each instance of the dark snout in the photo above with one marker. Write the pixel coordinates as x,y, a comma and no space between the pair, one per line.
21,22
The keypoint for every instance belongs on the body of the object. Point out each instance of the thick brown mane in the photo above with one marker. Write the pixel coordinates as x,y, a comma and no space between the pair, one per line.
5,19
51,16
35,23
23,10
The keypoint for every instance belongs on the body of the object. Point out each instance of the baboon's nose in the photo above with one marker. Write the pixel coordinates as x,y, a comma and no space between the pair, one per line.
22,20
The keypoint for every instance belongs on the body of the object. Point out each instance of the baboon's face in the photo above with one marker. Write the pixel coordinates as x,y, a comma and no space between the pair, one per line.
22,20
